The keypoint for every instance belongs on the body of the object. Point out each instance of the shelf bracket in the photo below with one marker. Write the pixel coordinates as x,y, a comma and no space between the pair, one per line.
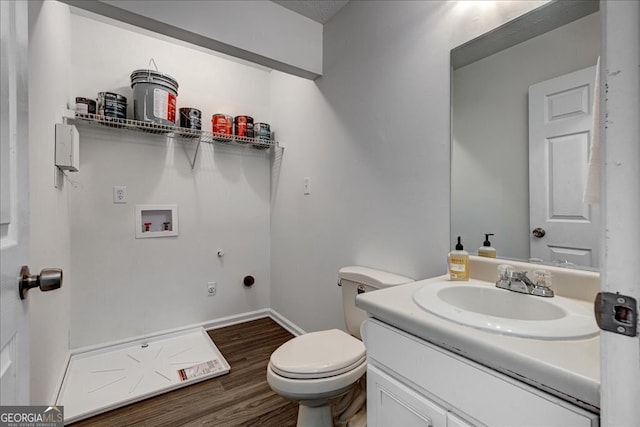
195,154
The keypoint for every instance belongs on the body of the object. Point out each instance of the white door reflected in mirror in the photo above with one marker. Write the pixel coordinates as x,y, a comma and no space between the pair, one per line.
560,122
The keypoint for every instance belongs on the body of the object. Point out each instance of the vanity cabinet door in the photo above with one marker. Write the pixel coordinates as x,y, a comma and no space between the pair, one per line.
390,403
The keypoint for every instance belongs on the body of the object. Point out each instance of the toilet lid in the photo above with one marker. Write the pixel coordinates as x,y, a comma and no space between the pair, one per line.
318,355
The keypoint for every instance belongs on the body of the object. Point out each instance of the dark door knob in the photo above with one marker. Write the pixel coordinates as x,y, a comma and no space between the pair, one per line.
48,280
538,232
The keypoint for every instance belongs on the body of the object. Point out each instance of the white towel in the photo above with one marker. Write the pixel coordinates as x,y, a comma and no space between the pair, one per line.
592,189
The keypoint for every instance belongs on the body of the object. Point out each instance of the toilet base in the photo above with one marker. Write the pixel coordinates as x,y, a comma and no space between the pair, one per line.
314,416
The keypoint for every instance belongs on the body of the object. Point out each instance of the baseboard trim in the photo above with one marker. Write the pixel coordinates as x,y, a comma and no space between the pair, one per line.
207,325
254,315
286,323
235,319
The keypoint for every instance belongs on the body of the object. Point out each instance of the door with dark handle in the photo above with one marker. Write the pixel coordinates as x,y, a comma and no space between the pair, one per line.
538,232
48,280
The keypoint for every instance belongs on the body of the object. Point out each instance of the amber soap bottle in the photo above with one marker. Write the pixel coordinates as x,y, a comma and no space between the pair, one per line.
459,263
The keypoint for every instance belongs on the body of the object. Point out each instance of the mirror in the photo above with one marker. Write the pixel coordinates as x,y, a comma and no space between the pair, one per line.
490,108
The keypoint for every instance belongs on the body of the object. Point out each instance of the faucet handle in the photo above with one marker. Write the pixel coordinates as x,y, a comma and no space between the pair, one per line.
542,277
504,276
542,281
504,271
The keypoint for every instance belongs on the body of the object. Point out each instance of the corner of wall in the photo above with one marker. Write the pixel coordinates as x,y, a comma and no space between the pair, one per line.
49,62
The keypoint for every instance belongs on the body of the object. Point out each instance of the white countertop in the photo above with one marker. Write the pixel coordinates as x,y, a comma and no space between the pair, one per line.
568,369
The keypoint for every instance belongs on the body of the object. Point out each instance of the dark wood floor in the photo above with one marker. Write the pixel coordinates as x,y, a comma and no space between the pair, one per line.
240,398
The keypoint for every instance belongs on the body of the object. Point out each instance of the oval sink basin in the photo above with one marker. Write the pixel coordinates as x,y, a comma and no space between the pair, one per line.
483,306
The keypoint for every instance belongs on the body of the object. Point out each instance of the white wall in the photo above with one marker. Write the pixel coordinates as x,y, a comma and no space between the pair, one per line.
380,193
490,180
49,313
373,135
127,286
256,30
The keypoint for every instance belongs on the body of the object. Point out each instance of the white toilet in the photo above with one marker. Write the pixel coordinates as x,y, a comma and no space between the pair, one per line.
313,368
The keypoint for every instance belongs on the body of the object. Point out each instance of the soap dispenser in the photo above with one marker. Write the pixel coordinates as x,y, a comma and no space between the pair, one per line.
486,249
459,263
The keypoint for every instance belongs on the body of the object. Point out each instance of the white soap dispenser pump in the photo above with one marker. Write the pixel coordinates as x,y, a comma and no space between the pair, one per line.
486,249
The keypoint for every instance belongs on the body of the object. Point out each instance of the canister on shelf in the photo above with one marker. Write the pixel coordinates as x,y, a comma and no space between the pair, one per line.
190,118
112,105
85,105
243,127
154,97
222,125
262,132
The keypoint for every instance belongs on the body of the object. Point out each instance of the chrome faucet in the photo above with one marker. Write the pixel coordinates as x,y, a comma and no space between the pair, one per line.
517,281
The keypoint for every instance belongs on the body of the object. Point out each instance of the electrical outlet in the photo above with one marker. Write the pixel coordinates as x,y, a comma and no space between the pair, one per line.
211,288
119,194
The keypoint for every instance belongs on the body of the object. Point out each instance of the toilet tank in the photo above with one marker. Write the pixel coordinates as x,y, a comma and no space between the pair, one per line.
356,280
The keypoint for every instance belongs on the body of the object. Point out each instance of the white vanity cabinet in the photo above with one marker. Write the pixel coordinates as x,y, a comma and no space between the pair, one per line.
411,382
391,403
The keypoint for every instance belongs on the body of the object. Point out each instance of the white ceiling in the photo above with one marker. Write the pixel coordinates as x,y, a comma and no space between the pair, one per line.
318,10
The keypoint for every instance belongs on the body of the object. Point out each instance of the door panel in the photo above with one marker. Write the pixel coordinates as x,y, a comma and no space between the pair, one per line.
560,121
14,214
391,403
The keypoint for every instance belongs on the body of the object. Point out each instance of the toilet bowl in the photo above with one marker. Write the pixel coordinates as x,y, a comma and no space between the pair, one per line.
314,368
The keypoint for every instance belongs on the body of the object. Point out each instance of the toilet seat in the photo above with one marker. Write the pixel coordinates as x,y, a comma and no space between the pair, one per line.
318,355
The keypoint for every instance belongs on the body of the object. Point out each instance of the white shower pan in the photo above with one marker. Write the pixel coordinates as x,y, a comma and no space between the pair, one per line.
99,380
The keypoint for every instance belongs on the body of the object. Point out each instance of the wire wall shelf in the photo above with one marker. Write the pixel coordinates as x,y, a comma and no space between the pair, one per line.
175,131
188,136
